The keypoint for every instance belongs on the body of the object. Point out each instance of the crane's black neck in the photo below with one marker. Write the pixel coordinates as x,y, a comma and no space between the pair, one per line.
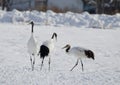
32,23
68,48
32,29
54,35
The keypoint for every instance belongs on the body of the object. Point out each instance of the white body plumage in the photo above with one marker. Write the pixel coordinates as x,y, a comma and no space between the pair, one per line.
32,47
77,52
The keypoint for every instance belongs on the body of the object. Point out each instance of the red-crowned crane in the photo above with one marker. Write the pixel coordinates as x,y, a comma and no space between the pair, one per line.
32,47
79,53
46,48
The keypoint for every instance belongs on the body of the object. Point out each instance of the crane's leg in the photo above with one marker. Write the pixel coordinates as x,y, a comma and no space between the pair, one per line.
75,65
42,64
33,63
49,63
82,65
31,60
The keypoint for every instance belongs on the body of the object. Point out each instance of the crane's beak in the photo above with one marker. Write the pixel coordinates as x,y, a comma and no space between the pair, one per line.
64,47
29,23
67,46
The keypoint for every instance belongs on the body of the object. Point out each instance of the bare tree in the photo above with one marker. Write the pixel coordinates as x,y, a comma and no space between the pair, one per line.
3,4
29,4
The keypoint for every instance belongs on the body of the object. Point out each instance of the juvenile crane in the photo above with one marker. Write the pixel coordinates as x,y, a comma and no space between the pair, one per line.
32,47
79,53
46,48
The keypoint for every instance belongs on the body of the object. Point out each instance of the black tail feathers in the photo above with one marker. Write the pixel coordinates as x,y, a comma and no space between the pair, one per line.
89,54
44,51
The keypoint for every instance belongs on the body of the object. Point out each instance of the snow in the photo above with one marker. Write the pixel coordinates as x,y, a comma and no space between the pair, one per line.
74,29
61,19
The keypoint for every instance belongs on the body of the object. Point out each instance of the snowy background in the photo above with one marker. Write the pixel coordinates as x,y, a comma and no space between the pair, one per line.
61,19
99,33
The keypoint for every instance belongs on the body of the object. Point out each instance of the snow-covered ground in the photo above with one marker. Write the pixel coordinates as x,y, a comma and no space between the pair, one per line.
75,29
